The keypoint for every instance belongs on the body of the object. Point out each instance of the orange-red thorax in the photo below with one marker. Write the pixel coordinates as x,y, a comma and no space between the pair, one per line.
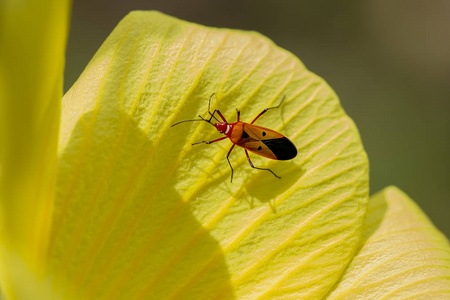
235,131
259,140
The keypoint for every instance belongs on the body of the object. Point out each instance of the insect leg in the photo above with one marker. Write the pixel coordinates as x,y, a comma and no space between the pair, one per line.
216,140
251,165
265,110
212,116
228,155
220,114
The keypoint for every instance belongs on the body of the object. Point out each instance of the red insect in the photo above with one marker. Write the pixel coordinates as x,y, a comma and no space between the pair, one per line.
256,139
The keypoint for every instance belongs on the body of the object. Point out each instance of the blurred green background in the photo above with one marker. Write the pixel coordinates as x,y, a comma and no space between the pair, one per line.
389,62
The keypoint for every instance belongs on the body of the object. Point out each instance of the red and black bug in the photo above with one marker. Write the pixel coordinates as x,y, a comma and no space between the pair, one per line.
256,139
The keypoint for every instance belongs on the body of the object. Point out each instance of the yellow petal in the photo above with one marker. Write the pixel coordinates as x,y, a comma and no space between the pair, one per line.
142,214
403,256
32,38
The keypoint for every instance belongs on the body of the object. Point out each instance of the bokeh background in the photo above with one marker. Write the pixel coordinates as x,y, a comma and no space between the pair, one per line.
389,62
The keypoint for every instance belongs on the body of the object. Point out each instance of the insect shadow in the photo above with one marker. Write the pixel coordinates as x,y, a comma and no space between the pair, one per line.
264,190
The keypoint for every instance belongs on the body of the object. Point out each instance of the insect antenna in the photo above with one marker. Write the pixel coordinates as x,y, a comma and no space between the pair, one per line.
194,120
201,118
209,104
209,109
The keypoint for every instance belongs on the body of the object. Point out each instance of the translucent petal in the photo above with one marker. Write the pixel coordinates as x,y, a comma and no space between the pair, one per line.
403,255
142,214
32,43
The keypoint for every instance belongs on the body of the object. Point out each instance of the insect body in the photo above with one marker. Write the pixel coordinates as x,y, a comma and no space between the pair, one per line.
256,139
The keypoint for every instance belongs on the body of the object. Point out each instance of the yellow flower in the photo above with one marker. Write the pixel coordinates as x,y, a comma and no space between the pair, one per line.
32,44
136,212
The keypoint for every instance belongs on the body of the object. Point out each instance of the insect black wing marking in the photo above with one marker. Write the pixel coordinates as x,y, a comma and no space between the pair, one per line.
283,148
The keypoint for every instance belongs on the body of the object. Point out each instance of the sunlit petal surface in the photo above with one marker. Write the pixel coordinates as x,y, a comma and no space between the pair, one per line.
142,214
403,255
